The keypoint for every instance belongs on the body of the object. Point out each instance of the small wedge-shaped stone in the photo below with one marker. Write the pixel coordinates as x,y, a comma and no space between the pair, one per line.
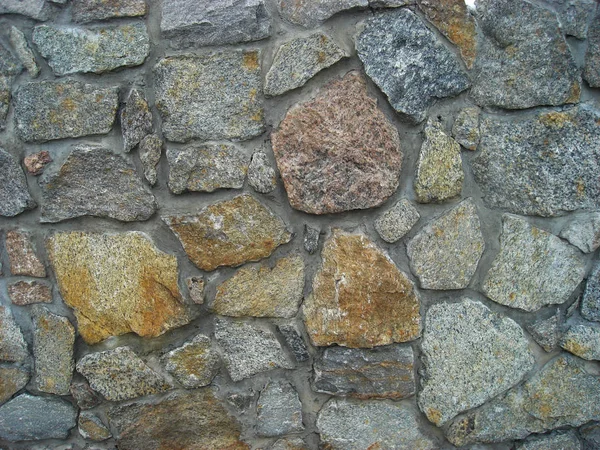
70,49
393,224
261,175
14,193
583,340
194,364
12,380
446,252
91,427
26,56
294,341
466,128
84,396
12,344
136,119
36,9
590,304
117,284
94,181
48,110
22,256
591,72
359,298
150,150
89,10
583,232
229,233
279,410
534,268
554,441
547,332
262,291
120,374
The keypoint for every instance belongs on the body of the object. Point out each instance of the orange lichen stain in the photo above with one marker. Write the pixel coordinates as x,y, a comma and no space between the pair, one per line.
580,187
575,93
68,104
250,61
555,119
575,347
434,415
321,57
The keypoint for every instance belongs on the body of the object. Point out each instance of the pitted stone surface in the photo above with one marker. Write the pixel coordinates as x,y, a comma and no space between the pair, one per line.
14,193
12,380
36,9
583,232
394,223
590,304
466,128
90,10
150,149
12,344
261,175
136,119
194,364
547,332
574,15
23,52
591,72
554,441
91,427
583,340
279,410
22,255
338,152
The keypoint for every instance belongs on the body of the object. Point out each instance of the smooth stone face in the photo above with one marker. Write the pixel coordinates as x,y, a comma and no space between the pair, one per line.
248,349
387,47
338,152
466,128
583,340
136,120
357,425
14,194
311,239
210,97
36,9
359,297
206,168
150,149
262,291
37,162
117,284
189,23
120,374
194,364
574,15
84,396
466,347
279,410
22,255
383,372
95,49
547,332
294,341
195,287
27,418
261,175
534,268
49,110
91,427
12,380
23,52
12,344
523,59
90,10
583,232
445,253
590,304
394,223
554,441
229,233
591,72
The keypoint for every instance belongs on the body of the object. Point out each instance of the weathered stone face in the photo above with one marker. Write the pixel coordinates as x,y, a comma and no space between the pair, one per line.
583,232
37,162
359,298
591,72
590,304
22,256
574,15
23,52
36,9
14,194
89,10
12,380
583,340
12,344
91,427
554,441
394,223
261,175
136,120
294,341
150,149
466,128
194,364
547,332
279,410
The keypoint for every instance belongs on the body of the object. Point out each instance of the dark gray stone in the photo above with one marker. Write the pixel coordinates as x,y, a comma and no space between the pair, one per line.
547,332
150,149
394,223
279,410
12,344
574,15
36,9
14,194
583,232
590,304
5,95
90,10
261,175
24,53
294,341
136,120
590,434
591,72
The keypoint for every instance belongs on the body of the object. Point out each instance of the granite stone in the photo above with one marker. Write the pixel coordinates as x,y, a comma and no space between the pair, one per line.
91,427
37,162
583,340
591,71
554,441
36,9
590,303
466,128
84,395
194,364
28,292
14,193
195,287
583,232
547,332
12,343
91,10
23,51
22,256
150,150
12,380
136,120
393,224
574,15
261,174
294,341
279,410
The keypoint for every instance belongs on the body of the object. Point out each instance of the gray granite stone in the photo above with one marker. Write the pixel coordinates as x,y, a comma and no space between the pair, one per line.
583,232
90,10
279,410
591,71
136,119
583,340
10,65
12,380
150,150
14,194
24,53
294,341
261,174
547,332
36,9
292,443
312,13
194,364
91,427
12,344
466,128
311,239
394,223
590,303
554,441
574,15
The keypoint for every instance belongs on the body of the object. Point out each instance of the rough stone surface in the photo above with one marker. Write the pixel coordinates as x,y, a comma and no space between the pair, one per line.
195,287
466,128
94,181
120,374
293,443
574,15
534,268
37,162
279,410
36,9
590,434
194,364
248,349
95,49
311,239
12,344
14,194
445,253
338,152
547,332
389,45
300,59
206,168
5,96
117,284
48,110
136,120
263,291
583,232
91,427
84,396
27,418
22,255
214,22
24,53
590,304
383,372
358,425
229,233
523,59
261,175
591,72
89,10
394,223
28,292
12,380
294,341
555,441
210,96
583,340
359,297
150,149
311,13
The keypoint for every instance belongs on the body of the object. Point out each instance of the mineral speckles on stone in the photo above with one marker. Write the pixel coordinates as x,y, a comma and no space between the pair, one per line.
445,253
136,119
261,175
294,341
312,13
523,59
212,96
389,45
338,152
22,256
27,292
120,374
359,297
117,284
194,364
5,95
50,110
229,233
262,291
583,232
583,340
84,396
534,268
311,239
248,349
12,344
91,427
36,9
37,162
466,128
293,443
279,410
394,223
574,15
553,441
300,59
14,194
195,287
94,181
591,72
12,380
466,347
206,168
150,150
546,332
383,372
90,10
26,56
590,304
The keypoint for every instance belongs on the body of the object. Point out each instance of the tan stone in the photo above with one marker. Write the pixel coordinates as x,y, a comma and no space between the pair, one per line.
117,284
21,255
360,299
196,289
12,380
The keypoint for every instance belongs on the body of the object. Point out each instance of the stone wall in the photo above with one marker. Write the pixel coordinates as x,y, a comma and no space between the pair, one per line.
336,224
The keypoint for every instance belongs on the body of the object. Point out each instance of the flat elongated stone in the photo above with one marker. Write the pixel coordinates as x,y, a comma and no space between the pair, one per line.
22,255
553,441
91,427
150,149
523,59
583,232
10,67
359,298
136,119
383,372
279,410
14,194
28,292
591,71
261,175
24,53
574,15
294,341
12,344
263,292
117,283
389,45
471,355
547,332
534,268
12,380
36,9
446,252
48,110
90,10
466,128
338,152
583,340
590,304
94,181
229,233
394,223
194,364
212,96
95,49
5,96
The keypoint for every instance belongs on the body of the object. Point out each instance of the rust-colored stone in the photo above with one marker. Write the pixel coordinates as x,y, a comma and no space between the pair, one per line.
21,255
36,162
27,292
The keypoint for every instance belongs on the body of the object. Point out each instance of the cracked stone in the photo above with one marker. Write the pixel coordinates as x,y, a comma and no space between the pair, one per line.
12,344
22,256
466,128
591,72
583,340
583,232
37,162
90,10
547,332
194,364
195,287
136,120
590,304
14,193
394,223
12,380
294,341
91,427
554,441
150,150
279,410
24,53
28,292
261,175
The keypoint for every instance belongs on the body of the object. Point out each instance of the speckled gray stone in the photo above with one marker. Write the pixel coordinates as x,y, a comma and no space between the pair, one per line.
12,344
261,174
150,150
534,268
389,44
311,239
591,72
36,9
583,340
5,95
9,65
394,223
583,232
294,341
279,410
466,128
94,181
590,304
554,441
14,193
91,427
90,10
194,364
547,332
471,355
136,119
12,380
96,49
574,15
24,53
292,443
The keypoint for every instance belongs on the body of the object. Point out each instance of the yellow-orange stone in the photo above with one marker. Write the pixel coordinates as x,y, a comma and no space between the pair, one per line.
117,284
360,299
